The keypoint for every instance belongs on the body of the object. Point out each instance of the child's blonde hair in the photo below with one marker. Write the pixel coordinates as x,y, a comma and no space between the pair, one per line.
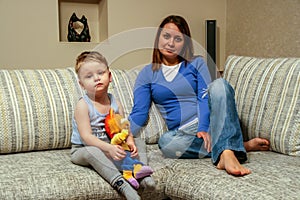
88,56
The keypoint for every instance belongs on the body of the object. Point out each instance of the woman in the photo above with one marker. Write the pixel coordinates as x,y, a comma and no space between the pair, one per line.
201,116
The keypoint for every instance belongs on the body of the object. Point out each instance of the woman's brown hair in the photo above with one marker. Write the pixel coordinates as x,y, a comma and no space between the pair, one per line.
187,51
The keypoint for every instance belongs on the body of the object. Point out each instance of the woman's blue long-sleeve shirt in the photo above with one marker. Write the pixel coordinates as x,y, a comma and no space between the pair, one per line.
179,101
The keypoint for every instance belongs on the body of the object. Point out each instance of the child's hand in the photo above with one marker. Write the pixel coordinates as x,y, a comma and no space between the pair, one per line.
133,149
131,144
116,152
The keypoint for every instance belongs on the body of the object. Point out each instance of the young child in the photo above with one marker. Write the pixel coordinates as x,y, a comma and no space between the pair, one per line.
90,143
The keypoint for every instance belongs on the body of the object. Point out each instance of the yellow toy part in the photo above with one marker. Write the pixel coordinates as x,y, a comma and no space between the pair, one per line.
117,129
120,139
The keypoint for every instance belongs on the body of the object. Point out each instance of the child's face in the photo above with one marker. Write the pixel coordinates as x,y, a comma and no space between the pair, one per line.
94,77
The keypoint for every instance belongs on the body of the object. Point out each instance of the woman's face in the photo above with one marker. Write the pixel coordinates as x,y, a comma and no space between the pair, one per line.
170,44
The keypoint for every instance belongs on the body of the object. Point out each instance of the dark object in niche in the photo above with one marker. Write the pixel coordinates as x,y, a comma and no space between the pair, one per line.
78,29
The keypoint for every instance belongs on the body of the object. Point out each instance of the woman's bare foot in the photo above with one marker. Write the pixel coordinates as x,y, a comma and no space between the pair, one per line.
257,144
230,163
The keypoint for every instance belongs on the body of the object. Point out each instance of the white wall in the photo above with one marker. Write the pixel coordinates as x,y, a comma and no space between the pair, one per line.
29,36
150,14
263,28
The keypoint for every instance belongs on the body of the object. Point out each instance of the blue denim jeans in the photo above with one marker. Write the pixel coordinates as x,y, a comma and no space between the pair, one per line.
224,129
127,163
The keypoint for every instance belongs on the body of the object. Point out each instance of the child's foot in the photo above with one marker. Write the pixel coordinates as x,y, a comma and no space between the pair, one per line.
148,183
134,183
230,163
140,171
257,144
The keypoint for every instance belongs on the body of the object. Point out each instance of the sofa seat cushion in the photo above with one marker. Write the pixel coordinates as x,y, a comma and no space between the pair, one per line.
51,175
274,176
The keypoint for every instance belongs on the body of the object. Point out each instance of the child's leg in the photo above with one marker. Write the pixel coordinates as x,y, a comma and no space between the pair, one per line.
93,156
148,181
141,146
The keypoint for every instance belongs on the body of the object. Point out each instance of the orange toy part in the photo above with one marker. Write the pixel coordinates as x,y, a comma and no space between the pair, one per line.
112,123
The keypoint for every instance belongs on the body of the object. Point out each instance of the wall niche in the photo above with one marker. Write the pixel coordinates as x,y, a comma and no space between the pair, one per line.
95,12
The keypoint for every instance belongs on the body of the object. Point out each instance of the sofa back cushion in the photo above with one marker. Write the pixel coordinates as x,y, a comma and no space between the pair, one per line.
36,109
267,94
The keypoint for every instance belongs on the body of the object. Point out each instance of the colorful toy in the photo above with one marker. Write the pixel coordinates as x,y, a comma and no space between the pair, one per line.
117,129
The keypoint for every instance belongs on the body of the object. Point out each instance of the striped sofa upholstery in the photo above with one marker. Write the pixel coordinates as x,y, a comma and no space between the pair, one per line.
36,108
268,99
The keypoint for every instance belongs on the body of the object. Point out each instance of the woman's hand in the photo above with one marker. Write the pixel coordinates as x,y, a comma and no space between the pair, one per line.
206,138
116,152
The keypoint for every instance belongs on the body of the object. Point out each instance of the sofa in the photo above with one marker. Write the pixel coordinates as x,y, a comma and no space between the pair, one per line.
37,106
